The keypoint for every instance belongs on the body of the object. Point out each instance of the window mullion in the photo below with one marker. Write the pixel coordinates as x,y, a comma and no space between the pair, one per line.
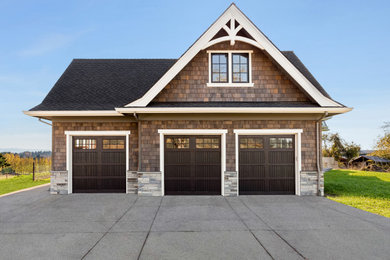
230,67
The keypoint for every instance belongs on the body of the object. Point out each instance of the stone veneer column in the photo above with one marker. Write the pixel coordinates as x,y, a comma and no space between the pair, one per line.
59,182
309,183
131,182
231,185
149,184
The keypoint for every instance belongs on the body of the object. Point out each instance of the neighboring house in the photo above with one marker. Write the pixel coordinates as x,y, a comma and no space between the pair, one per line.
233,115
363,161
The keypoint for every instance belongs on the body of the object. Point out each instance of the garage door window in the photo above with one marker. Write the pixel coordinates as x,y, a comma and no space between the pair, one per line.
178,143
281,143
85,144
251,143
113,144
207,143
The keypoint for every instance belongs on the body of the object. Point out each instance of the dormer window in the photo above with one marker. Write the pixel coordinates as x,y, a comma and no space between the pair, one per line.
230,69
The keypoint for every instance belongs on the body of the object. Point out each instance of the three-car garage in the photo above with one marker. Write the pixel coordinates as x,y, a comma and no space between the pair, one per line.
191,163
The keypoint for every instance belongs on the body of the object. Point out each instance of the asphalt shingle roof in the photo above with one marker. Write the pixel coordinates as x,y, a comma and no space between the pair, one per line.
103,84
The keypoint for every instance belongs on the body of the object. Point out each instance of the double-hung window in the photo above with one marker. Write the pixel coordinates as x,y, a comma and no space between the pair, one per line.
230,69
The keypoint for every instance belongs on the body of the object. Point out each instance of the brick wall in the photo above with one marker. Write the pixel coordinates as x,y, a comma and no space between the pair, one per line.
150,138
59,139
270,83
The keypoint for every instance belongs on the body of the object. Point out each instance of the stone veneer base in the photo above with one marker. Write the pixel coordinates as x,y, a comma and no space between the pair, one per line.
59,182
231,184
149,184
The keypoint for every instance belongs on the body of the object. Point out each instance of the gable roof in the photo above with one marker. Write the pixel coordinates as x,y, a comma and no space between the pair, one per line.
104,84
233,15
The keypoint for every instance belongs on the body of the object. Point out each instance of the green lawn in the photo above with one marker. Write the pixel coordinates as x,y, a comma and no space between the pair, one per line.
368,191
18,183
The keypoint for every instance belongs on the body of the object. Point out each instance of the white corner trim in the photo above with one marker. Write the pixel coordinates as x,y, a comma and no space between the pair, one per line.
257,110
221,132
73,113
69,147
231,14
298,153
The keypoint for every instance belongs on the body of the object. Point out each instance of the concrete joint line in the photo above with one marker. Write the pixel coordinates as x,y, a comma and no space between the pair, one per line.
247,227
97,242
150,228
273,230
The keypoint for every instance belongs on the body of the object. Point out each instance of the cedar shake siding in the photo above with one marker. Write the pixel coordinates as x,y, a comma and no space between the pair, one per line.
150,142
270,83
59,139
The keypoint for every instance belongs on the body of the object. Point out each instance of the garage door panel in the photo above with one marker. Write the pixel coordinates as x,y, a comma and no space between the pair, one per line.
173,157
208,157
99,164
208,187
114,157
192,165
84,170
252,157
252,171
281,157
177,171
266,165
281,187
282,171
86,157
252,186
113,170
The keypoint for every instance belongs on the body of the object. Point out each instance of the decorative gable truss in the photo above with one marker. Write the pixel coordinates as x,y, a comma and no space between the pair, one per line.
234,26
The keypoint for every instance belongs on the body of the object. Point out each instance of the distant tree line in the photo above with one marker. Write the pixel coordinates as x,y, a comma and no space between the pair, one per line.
14,163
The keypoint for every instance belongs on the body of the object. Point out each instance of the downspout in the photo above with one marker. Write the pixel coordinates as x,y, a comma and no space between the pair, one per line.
319,153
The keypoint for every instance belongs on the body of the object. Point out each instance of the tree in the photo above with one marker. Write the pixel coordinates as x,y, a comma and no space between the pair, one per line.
3,162
337,149
334,146
351,150
382,148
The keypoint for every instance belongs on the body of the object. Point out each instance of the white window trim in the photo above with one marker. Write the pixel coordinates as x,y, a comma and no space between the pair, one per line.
221,132
298,153
69,149
230,82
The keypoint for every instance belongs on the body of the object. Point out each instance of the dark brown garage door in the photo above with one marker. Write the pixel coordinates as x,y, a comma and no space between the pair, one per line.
99,164
266,165
192,165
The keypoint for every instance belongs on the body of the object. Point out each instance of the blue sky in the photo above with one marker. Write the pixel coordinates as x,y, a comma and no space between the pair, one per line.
345,44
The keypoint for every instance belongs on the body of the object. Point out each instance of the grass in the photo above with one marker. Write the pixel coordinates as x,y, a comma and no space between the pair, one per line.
18,183
369,191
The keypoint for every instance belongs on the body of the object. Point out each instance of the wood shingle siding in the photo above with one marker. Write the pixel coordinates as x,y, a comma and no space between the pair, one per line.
270,83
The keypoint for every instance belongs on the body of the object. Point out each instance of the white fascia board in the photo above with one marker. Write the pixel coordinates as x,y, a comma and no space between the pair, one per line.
73,113
266,131
193,131
272,110
97,133
261,39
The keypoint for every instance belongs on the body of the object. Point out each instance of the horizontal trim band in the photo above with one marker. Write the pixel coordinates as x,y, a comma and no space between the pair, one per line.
275,110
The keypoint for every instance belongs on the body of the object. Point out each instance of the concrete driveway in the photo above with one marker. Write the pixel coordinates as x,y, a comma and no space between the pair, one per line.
36,225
